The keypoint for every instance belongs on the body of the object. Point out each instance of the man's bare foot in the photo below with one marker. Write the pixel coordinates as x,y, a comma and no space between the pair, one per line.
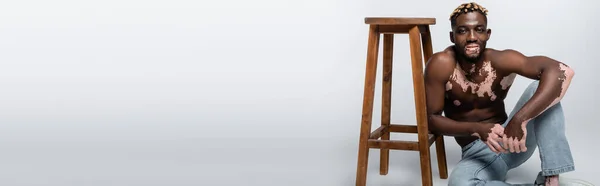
552,180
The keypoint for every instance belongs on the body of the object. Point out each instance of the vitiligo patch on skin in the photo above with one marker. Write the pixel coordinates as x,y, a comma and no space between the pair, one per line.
472,70
566,73
507,81
476,88
563,69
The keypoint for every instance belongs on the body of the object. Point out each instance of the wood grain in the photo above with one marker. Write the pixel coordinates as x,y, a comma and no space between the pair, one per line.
421,111
400,20
367,111
386,106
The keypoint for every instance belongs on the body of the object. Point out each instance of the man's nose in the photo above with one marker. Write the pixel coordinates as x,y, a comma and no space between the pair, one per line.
471,37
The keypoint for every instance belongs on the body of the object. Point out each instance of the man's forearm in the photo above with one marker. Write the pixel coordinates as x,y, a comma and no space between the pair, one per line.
445,126
552,87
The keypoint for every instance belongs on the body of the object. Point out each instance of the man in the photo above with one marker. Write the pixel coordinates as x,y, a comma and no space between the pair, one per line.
469,82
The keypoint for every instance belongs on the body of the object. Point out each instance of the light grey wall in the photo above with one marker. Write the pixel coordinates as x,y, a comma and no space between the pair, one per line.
239,92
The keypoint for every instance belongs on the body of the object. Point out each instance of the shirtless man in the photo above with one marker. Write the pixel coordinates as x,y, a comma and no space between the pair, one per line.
469,82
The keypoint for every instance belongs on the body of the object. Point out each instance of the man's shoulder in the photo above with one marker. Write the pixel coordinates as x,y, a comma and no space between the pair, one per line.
441,64
507,60
503,55
444,58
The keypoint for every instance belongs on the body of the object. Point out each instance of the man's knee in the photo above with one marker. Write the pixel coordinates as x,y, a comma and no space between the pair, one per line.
527,94
530,90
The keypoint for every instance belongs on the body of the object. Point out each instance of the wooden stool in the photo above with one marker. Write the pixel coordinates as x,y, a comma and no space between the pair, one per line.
418,31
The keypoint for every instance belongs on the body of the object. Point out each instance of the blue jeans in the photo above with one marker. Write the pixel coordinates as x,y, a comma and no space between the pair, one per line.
480,166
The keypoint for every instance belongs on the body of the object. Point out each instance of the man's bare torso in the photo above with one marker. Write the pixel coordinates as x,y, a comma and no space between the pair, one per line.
476,92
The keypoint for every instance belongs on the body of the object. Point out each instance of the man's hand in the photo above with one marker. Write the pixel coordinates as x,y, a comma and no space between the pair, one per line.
491,134
514,137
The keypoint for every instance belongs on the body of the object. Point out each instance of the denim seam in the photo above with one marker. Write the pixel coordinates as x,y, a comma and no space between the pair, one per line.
556,171
487,165
504,160
542,158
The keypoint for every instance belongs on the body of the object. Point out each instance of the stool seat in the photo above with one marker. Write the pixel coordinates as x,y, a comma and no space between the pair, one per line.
399,21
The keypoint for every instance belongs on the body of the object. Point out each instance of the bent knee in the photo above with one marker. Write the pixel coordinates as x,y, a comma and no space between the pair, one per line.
530,90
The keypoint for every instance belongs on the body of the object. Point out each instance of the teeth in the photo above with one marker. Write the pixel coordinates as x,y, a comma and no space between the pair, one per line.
472,49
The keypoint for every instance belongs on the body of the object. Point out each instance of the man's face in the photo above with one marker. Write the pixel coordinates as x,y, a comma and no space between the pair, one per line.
470,35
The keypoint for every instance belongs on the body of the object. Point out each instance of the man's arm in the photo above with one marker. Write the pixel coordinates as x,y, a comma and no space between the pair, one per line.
554,80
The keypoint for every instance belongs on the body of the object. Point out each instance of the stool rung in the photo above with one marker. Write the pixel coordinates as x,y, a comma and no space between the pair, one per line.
403,128
431,138
377,133
393,144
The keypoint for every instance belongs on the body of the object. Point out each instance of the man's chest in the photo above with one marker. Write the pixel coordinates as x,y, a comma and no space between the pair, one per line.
480,86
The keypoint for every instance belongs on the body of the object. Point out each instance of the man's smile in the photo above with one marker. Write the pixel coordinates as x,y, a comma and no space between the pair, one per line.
472,49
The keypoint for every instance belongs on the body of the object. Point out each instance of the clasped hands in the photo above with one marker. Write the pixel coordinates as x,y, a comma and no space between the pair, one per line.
504,140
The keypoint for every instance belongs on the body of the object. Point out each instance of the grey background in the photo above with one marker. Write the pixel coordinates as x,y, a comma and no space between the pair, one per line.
238,92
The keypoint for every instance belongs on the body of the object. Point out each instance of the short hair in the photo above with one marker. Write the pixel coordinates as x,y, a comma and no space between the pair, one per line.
466,8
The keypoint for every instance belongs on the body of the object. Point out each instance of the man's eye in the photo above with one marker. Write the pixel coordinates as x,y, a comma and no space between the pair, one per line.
480,30
462,31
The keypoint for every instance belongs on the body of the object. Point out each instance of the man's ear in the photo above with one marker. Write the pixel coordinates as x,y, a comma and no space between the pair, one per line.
489,32
451,37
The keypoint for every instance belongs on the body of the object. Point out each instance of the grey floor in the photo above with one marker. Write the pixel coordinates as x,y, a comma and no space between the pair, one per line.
317,163
136,161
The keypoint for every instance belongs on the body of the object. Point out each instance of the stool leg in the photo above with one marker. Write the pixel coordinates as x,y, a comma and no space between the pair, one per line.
420,104
367,110
441,156
439,142
388,50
